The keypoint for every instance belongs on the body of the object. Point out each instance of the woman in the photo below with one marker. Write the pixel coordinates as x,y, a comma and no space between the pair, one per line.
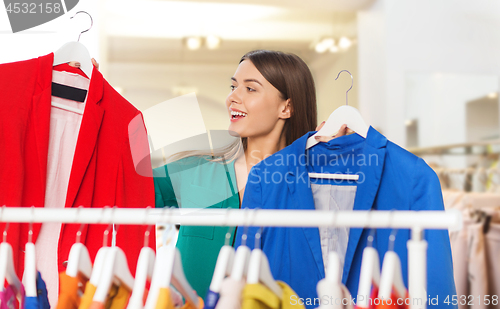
272,102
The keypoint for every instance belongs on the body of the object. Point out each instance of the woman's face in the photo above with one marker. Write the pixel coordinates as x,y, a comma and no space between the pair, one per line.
254,106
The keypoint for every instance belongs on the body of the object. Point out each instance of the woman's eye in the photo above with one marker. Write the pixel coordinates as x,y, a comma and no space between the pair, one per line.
250,89
232,87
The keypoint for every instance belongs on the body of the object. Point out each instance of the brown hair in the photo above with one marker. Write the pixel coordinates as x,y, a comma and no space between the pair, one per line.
293,79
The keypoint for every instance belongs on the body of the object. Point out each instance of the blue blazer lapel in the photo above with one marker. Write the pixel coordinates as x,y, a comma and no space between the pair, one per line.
299,187
300,191
374,154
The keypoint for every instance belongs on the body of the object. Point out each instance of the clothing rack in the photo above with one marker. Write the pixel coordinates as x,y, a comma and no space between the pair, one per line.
467,170
448,149
417,221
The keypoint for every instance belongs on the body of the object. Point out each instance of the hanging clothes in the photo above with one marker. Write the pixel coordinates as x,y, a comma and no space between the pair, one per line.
87,296
41,301
475,248
230,294
211,300
165,301
8,298
117,299
258,296
389,178
330,301
71,290
111,164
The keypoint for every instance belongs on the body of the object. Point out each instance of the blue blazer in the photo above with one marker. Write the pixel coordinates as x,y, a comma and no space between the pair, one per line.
390,178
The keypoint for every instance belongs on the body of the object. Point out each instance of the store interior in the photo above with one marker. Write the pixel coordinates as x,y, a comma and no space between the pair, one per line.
426,74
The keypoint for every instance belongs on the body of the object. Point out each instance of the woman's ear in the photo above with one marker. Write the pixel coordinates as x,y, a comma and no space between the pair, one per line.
286,110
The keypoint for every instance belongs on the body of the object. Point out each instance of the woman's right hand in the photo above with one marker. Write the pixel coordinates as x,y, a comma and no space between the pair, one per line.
344,130
95,63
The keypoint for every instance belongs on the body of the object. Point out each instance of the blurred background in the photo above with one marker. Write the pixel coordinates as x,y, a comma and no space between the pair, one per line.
426,72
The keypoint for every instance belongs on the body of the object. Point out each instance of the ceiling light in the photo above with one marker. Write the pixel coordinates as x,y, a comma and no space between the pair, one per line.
193,43
320,47
334,49
344,43
492,95
328,42
212,42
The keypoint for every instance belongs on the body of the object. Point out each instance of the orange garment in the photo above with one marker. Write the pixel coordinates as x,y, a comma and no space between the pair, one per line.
96,305
117,298
165,301
70,291
86,299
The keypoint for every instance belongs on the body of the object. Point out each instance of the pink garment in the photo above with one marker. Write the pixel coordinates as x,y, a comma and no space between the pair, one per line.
469,263
8,299
492,239
230,294
64,130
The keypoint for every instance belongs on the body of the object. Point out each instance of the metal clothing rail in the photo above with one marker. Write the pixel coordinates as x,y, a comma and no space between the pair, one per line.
419,220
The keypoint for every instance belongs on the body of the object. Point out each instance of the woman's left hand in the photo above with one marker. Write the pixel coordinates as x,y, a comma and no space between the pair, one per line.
344,130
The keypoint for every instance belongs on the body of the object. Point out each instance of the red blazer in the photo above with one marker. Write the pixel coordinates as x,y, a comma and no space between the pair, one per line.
104,171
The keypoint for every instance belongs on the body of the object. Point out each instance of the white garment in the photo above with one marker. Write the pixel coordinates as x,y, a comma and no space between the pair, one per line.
331,197
64,129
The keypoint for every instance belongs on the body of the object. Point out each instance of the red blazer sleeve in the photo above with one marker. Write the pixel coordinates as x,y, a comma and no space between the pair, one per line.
135,188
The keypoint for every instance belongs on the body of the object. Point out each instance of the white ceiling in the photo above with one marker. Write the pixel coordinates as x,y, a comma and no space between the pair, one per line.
149,31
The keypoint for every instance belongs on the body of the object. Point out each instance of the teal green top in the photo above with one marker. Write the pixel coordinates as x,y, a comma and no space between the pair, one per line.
196,182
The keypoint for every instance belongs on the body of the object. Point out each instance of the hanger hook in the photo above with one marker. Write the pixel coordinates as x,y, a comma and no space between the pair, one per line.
352,83
245,231
30,231
115,227
258,235
373,231
106,231
80,230
149,229
392,237
91,23
229,229
6,226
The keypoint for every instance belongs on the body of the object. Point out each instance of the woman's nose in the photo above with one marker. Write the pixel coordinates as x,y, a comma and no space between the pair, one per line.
234,97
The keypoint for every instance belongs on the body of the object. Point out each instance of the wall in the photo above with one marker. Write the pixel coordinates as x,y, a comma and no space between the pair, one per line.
331,93
397,38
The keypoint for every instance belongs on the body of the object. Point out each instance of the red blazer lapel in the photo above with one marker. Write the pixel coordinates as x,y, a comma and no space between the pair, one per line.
87,138
41,115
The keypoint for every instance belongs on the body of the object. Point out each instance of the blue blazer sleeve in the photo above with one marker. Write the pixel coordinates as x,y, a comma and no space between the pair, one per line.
426,195
251,200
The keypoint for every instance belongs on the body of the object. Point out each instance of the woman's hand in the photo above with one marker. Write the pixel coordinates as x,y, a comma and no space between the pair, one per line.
77,64
95,64
344,130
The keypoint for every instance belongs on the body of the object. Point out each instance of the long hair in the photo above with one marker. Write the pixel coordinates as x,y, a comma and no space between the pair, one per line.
293,79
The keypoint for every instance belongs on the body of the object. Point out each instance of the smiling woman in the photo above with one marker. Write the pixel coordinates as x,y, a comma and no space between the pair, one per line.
271,103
